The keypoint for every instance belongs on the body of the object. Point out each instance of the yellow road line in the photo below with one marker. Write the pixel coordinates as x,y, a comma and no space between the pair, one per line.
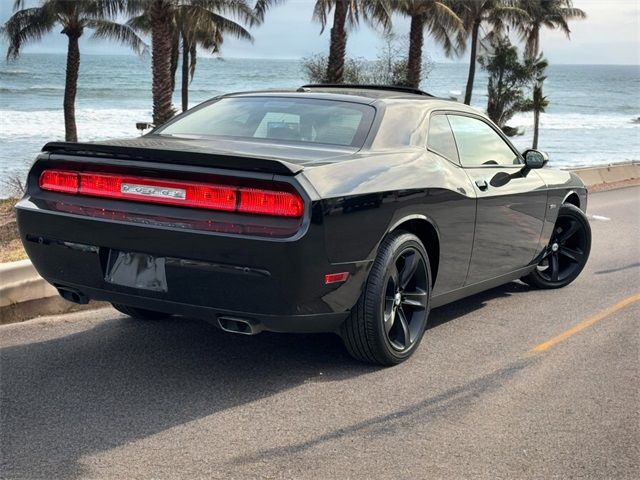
587,323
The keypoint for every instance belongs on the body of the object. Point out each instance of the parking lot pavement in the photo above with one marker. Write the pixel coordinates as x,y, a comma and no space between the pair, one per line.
511,383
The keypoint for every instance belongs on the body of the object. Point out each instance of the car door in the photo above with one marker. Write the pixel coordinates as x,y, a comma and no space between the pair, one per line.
511,201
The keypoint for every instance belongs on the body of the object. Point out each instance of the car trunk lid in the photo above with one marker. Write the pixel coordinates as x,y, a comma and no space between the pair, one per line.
276,158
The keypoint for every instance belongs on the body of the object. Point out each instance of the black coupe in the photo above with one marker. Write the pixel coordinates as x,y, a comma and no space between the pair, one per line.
347,209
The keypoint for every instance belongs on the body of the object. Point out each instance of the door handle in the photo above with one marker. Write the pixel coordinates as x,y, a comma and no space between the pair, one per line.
482,184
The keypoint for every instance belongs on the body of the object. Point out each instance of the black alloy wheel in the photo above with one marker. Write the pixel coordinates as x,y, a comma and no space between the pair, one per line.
406,300
388,322
567,252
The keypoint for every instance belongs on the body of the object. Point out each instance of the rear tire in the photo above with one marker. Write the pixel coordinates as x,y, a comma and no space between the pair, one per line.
567,252
386,326
140,313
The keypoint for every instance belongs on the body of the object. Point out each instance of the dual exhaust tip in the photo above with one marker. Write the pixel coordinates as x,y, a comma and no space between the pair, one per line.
228,324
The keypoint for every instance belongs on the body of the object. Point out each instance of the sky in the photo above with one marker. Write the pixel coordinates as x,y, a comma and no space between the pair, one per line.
610,35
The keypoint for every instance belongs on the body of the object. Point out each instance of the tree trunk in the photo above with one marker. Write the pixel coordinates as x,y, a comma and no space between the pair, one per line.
536,128
185,74
175,59
338,47
71,87
416,41
161,43
472,61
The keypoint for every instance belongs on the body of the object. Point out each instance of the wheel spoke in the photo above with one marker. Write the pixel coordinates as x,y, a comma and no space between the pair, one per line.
411,261
417,299
555,267
389,320
568,232
574,255
402,319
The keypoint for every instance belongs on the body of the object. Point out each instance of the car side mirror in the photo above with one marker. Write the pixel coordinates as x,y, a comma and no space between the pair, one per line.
535,159
142,126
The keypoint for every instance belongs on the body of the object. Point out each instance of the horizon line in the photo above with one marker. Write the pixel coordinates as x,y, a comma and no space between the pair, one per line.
223,58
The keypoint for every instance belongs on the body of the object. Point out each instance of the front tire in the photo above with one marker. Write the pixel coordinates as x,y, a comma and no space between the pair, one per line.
140,313
567,252
387,324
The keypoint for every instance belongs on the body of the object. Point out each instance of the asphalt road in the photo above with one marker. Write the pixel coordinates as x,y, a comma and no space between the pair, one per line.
99,395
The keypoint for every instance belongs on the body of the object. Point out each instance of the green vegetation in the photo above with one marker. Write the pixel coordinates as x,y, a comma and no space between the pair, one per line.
389,68
507,79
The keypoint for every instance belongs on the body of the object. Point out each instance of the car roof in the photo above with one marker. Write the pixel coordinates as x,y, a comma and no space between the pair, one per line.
365,94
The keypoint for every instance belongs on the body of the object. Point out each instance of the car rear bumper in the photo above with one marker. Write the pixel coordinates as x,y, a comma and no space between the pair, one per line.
276,283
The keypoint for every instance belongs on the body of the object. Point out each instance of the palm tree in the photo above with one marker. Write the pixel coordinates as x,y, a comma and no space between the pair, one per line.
201,24
552,14
442,22
475,13
31,24
161,15
346,14
198,23
538,103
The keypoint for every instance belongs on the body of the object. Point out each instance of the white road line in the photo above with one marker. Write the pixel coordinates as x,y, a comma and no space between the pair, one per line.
599,217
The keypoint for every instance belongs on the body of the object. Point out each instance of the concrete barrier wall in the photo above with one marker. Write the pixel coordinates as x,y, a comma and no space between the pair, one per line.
24,294
608,174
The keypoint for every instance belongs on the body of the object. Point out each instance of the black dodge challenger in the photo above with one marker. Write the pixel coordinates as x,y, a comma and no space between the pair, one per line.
347,209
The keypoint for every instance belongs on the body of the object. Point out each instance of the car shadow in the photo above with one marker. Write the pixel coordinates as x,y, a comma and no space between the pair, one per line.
467,305
75,396
85,393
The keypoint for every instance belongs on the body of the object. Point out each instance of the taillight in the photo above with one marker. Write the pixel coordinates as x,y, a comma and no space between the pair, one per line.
175,192
59,181
266,202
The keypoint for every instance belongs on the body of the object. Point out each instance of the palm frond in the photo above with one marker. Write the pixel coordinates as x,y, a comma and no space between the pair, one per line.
199,22
140,23
28,25
377,13
261,7
321,11
105,29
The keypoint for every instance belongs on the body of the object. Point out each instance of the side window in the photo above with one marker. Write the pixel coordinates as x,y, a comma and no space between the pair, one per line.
440,138
478,144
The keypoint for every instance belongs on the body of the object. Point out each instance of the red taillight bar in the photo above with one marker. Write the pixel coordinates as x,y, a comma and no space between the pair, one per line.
174,192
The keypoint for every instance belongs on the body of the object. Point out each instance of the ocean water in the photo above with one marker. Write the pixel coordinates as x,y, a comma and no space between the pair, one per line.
589,120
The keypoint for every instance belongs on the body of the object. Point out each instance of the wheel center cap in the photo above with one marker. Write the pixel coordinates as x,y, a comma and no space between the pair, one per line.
554,247
397,299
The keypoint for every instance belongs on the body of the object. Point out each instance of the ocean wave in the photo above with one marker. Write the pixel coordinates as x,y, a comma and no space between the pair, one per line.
574,121
13,72
93,124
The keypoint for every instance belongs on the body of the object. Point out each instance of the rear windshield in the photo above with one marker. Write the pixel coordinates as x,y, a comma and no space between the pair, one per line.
282,119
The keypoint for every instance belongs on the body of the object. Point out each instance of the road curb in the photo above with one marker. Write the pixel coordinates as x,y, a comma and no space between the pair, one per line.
25,295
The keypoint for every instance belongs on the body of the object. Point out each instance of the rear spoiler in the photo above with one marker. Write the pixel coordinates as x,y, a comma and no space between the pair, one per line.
180,157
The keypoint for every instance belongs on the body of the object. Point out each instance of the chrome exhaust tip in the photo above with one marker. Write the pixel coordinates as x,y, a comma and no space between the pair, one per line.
239,325
72,295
